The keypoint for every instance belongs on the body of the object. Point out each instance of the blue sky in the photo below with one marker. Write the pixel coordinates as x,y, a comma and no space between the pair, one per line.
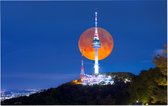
40,39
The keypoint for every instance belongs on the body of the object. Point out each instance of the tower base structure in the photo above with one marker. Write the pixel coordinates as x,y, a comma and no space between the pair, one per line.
98,79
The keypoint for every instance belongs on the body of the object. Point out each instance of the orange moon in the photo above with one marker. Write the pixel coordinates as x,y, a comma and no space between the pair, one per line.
85,43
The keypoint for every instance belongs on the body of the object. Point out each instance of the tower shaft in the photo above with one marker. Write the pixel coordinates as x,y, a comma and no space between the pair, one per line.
96,64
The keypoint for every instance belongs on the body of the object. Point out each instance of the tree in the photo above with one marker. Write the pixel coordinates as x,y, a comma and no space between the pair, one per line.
160,60
151,85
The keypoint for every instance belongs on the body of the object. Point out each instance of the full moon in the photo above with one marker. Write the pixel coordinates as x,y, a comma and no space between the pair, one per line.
85,43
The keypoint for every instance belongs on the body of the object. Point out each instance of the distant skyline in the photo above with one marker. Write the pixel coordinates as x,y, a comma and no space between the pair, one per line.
40,39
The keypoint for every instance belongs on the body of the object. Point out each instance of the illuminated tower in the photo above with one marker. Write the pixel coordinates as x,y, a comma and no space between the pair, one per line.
82,69
96,45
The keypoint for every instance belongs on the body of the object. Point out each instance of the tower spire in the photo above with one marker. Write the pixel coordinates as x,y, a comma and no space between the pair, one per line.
96,30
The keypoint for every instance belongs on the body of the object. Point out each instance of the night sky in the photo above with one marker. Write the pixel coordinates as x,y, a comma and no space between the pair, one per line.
40,39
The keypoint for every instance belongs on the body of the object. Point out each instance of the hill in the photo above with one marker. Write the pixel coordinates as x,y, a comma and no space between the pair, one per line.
148,87
70,93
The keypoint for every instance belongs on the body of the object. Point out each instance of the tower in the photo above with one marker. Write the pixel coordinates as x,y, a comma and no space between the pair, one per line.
82,69
96,45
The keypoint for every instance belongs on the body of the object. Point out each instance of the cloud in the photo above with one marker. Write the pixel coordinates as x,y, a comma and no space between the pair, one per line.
161,52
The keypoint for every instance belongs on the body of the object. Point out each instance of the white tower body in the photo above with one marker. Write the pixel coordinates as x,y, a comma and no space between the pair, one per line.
96,45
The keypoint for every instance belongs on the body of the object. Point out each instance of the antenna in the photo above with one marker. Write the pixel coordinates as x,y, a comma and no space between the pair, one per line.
96,30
